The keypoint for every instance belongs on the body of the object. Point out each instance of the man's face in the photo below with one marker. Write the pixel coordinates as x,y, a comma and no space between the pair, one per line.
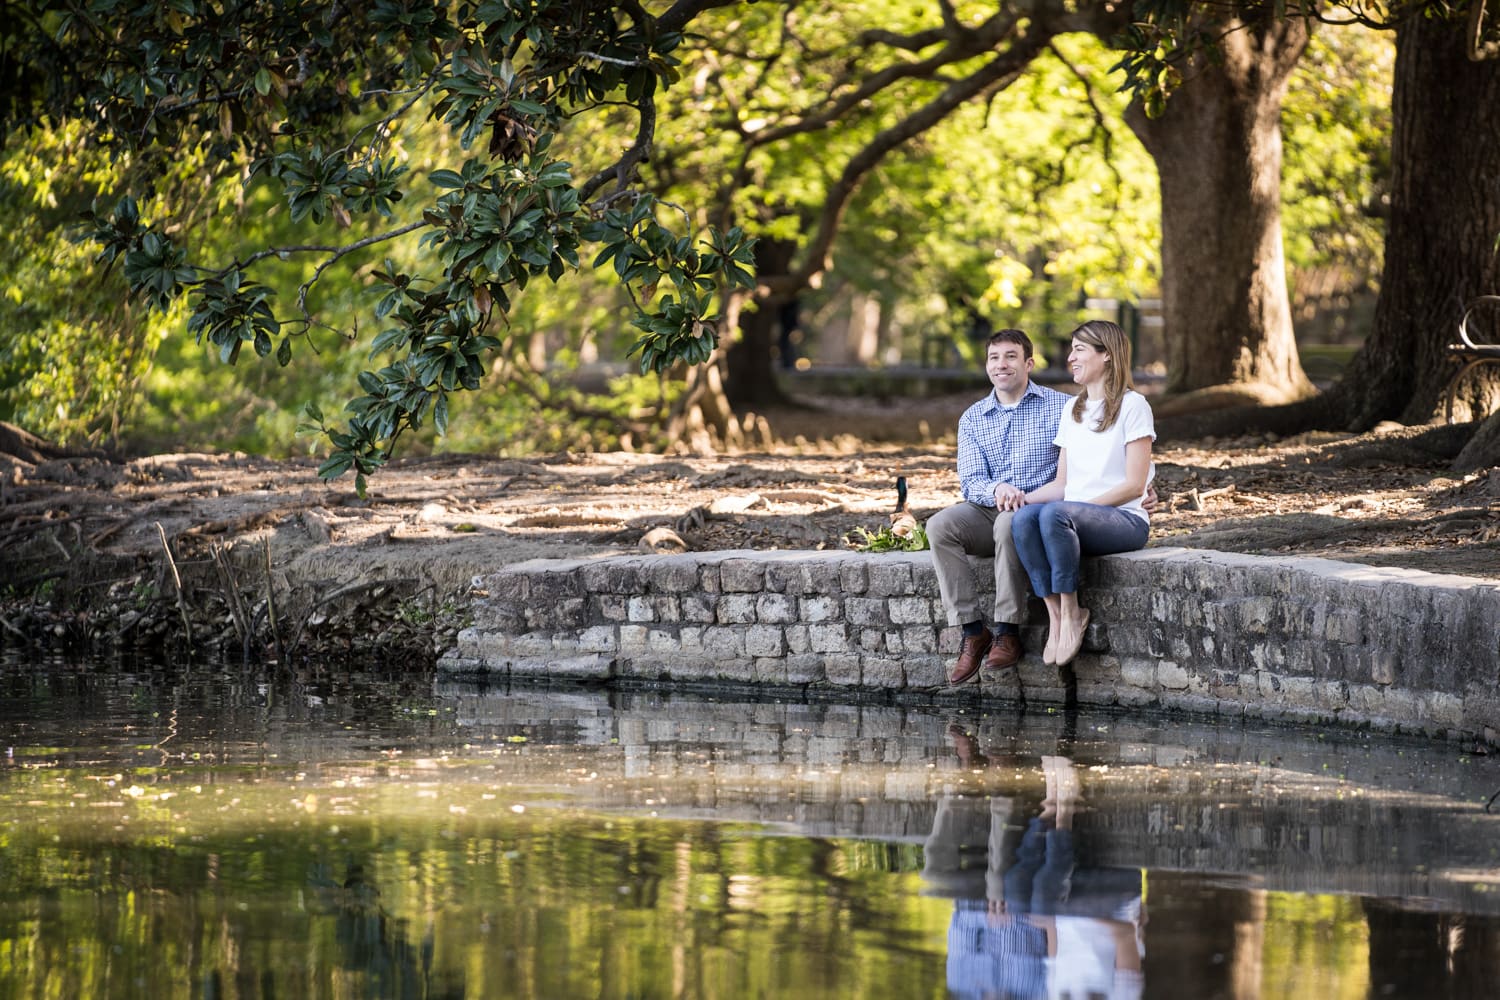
1008,367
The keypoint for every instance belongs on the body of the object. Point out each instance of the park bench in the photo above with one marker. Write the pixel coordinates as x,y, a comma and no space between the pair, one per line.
1469,352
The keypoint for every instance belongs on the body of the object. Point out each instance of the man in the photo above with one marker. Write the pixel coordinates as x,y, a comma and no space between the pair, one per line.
1005,451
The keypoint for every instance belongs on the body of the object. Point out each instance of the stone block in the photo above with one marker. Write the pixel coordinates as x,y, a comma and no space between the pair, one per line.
632,638
1138,672
910,610
664,641
821,608
842,669
775,609
870,640
927,672
765,641
919,639
737,670
797,641
924,582
866,611
770,669
586,665
852,578
509,587
720,640
553,587
1299,692
612,576
667,608
640,609
740,576
736,609
701,609
1331,695
805,668
831,638
1441,707
888,578
883,672
598,639
612,607
821,574
673,574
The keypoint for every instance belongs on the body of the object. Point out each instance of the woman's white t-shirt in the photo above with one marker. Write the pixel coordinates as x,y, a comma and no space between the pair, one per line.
1096,459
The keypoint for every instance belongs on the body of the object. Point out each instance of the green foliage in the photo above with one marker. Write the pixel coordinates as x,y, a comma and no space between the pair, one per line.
886,540
74,348
313,116
1007,211
1336,126
644,252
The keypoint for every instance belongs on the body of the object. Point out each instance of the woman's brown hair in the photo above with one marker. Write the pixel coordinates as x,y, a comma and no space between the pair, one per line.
1109,338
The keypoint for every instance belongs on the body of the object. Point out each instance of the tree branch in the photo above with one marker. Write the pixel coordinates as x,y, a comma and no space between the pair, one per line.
967,45
348,249
638,153
1101,123
337,251
996,74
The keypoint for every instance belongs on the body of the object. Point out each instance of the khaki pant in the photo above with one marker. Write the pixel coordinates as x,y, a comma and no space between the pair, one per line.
965,530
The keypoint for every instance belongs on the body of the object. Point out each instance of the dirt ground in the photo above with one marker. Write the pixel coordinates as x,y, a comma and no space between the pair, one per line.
1366,499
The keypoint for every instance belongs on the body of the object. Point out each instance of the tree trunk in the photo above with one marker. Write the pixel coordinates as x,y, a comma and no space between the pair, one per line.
1440,244
1217,147
750,359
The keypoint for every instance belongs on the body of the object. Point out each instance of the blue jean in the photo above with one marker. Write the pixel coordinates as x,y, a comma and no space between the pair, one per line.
1052,539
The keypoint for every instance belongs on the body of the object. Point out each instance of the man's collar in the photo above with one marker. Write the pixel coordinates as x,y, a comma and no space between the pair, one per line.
994,397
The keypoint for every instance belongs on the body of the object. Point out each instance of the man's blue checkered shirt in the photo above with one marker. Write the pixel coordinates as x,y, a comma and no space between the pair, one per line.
996,445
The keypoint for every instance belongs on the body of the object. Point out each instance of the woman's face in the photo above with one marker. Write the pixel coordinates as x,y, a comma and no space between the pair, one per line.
1089,364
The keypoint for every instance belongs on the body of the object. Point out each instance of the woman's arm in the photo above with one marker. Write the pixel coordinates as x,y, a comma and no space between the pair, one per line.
1055,489
1137,469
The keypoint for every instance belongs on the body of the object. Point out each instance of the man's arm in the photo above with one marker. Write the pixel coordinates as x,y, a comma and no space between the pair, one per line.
975,480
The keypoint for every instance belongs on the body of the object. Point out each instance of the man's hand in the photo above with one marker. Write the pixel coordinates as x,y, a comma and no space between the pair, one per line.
1149,501
1008,497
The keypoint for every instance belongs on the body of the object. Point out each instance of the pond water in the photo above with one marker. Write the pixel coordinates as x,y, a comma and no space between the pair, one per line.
199,834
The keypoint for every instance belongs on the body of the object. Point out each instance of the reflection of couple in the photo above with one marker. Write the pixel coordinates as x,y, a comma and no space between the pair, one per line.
1027,922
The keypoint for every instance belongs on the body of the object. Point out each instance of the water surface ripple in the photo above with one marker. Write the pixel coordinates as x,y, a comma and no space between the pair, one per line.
199,834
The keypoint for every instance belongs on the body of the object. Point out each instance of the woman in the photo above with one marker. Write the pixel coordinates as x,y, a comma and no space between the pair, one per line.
1093,507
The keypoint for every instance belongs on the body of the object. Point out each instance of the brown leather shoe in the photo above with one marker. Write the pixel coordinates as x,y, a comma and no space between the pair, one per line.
970,655
1004,654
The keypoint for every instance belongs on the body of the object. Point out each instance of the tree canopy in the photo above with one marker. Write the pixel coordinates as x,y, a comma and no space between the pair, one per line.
451,155
313,100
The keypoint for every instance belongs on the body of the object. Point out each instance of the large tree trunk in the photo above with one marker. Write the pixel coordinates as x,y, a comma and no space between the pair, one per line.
750,359
1440,244
1217,147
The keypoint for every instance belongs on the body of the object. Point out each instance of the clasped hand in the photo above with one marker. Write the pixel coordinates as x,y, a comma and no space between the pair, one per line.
1008,497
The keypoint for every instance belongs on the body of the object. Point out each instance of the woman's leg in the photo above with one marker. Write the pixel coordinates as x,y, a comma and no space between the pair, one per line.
1054,626
1069,530
1026,533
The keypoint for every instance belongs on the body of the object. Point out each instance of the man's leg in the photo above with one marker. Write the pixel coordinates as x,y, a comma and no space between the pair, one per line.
953,535
1010,597
1011,587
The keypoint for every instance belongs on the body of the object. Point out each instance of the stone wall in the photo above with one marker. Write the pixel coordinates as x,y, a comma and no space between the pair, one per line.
1303,639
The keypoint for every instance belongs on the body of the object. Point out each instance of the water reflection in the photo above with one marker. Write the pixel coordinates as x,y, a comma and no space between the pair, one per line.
1028,921
176,835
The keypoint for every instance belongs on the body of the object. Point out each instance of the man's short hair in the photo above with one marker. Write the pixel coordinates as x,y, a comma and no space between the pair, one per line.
1017,337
